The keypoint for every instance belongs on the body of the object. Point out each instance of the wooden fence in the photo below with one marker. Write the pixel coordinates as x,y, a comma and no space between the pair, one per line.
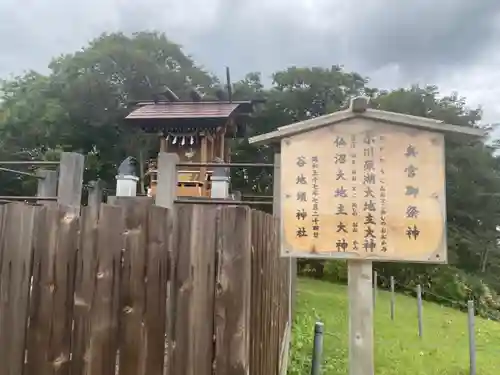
133,289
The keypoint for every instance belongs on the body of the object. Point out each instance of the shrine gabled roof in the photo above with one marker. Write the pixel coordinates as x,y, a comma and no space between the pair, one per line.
188,110
358,109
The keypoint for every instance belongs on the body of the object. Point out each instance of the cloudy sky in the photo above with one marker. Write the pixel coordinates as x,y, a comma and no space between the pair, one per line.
452,43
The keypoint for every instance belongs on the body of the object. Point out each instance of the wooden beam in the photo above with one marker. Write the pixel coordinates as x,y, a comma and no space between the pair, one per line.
95,197
69,191
211,148
360,317
277,185
222,144
285,342
166,188
203,159
47,185
163,144
166,192
421,123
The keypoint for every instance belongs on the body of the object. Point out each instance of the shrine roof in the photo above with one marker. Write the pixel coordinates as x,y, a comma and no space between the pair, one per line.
359,109
188,110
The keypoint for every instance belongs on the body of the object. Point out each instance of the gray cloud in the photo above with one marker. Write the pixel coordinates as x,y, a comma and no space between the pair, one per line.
425,34
264,35
421,37
420,40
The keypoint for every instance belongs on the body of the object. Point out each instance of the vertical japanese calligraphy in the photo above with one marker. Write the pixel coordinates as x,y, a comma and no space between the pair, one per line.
315,196
341,193
369,199
411,189
383,197
355,240
364,190
301,197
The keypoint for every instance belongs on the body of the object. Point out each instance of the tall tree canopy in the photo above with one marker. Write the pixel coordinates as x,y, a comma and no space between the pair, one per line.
81,103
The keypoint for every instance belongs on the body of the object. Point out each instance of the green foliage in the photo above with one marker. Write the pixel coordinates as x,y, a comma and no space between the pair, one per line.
302,343
81,103
443,350
297,94
335,271
446,285
472,176
453,287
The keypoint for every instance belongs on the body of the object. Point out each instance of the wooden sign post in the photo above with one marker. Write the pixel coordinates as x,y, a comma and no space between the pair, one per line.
363,185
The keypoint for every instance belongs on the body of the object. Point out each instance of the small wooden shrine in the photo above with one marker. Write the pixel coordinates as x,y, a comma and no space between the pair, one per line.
197,131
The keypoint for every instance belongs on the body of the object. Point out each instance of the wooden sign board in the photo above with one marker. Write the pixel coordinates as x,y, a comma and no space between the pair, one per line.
364,189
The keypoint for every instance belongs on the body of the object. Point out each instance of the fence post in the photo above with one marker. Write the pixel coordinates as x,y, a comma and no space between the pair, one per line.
166,192
360,273
166,188
317,349
375,286
285,344
69,189
393,298
472,339
419,310
47,185
95,197
220,183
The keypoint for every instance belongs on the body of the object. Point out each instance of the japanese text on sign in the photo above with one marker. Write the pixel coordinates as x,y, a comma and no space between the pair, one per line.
364,190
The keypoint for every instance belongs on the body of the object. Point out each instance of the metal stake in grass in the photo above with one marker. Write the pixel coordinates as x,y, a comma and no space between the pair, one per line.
393,299
317,349
419,310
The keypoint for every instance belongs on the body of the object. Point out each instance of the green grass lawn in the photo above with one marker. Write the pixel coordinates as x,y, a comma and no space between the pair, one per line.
443,349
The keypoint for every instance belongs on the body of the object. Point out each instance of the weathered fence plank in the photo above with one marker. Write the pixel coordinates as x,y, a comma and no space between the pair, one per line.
255,305
267,295
69,188
3,214
84,290
104,312
51,319
276,298
275,339
286,275
133,287
193,290
258,330
157,274
269,306
100,287
232,302
15,273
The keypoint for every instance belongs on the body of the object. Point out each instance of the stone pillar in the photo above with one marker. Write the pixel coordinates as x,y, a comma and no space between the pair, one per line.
126,180
220,183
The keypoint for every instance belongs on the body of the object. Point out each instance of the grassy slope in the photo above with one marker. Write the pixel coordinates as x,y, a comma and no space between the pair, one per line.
398,350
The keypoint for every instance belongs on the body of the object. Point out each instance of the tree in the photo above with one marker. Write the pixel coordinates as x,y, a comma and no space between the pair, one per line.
81,104
472,168
472,176
297,94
